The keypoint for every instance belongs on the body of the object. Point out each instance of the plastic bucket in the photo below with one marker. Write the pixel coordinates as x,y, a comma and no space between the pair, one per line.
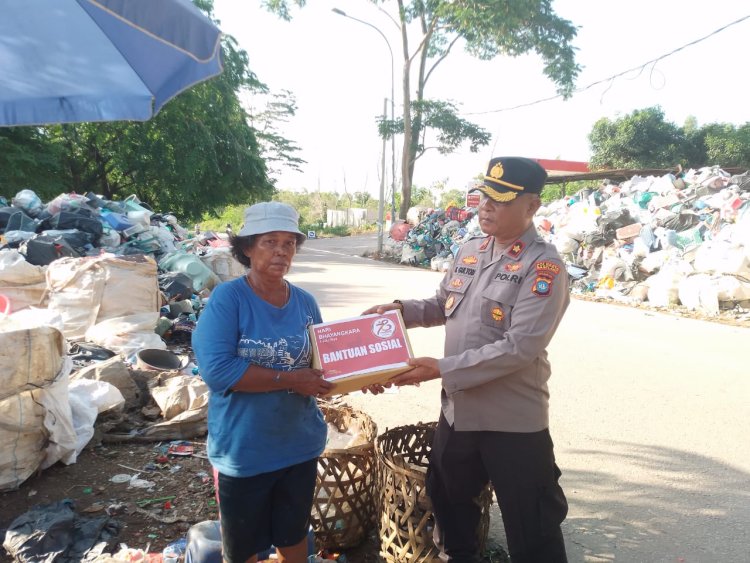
154,359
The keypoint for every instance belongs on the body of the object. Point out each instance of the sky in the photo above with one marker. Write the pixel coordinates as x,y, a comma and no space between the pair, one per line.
340,73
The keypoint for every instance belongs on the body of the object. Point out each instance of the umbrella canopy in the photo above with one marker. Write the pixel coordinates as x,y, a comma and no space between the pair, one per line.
66,61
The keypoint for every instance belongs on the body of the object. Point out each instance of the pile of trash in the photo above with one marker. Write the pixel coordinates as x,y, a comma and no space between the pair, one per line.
432,237
98,302
668,241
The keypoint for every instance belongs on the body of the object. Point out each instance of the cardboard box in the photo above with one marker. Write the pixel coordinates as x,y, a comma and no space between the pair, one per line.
357,352
629,232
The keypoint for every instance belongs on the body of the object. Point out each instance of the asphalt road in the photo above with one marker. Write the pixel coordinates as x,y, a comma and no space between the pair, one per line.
649,413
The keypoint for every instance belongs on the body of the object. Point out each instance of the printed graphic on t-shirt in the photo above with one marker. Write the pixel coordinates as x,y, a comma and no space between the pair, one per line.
277,353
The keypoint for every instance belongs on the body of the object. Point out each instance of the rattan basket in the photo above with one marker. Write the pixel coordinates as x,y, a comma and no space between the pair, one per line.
406,520
344,508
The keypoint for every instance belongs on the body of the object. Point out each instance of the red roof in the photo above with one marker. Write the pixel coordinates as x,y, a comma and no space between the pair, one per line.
558,167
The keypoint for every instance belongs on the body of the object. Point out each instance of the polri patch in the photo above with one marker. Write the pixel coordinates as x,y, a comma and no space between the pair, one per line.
542,286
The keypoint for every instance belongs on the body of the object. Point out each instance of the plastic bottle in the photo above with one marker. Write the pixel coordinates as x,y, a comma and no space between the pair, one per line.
170,555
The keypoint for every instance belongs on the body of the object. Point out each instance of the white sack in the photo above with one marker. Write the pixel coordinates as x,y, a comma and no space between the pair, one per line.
29,357
21,282
22,438
722,257
730,289
58,420
130,287
127,335
88,398
76,286
699,292
663,288
179,394
222,263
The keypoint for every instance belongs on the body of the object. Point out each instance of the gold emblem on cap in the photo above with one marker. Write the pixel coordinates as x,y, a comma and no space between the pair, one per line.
497,171
500,197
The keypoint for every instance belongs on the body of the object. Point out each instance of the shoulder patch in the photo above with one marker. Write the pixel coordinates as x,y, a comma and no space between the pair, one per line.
516,248
547,266
542,286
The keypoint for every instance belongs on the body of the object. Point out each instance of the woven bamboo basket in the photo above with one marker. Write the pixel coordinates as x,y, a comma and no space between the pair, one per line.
406,519
343,508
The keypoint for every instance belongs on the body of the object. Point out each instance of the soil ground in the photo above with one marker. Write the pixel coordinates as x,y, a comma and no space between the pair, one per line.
151,524
147,523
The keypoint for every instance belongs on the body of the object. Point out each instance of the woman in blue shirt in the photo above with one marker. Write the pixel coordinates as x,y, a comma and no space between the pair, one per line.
265,430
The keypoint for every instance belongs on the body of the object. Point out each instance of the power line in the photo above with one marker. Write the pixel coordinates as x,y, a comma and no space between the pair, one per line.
614,76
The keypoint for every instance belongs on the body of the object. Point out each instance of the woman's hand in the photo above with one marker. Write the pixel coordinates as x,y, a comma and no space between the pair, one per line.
309,382
380,309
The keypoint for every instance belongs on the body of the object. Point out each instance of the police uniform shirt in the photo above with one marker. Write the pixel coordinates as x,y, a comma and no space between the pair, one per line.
500,309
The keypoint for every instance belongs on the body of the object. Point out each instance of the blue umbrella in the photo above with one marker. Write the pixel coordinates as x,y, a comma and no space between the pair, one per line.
67,61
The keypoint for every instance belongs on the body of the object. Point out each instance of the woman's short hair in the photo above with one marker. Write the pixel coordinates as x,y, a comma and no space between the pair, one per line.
240,244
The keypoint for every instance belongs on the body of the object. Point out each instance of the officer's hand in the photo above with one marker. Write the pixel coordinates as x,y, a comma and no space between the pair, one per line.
377,388
425,369
380,309
309,382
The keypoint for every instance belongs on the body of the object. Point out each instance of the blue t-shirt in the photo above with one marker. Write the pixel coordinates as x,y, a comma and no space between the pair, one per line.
253,433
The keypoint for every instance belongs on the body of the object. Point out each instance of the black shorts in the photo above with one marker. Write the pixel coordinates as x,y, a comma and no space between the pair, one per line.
267,509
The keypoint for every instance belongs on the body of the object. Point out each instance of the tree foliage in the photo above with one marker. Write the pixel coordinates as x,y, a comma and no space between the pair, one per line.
645,139
29,159
440,120
641,139
278,151
429,30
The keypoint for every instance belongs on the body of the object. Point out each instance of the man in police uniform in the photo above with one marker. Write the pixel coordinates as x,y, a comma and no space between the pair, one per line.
500,304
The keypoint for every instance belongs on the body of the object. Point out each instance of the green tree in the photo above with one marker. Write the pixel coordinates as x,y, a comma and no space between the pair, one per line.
278,151
29,159
453,197
727,145
488,28
422,197
641,139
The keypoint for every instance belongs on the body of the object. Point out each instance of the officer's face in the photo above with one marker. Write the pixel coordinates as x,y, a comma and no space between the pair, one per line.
506,221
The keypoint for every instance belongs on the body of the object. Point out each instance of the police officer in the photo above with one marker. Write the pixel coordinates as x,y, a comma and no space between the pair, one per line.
500,304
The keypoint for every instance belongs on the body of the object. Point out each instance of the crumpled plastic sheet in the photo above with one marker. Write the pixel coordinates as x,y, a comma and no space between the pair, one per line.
57,533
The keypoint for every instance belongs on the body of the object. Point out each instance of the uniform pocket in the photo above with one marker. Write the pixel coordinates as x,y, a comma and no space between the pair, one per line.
456,287
497,305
